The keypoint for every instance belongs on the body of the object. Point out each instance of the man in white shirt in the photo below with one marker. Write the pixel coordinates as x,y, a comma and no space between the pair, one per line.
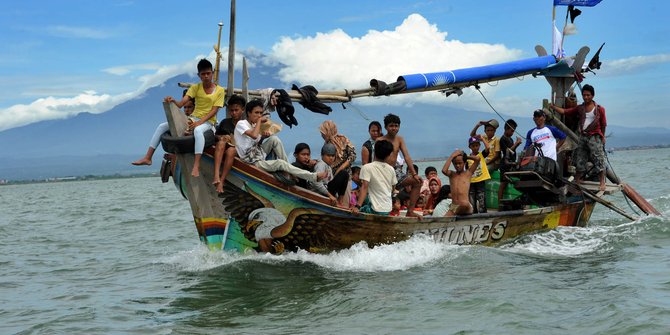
247,144
548,138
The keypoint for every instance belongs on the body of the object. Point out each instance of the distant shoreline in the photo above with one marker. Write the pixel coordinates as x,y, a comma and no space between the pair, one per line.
632,147
155,174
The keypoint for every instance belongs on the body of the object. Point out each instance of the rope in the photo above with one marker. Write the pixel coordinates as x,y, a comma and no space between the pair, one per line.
501,117
360,112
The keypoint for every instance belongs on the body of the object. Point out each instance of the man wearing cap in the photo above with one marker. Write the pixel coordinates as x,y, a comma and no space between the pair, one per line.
547,138
592,124
492,161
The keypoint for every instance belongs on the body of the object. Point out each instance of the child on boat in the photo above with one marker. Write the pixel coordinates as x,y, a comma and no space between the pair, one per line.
443,201
331,185
303,160
396,206
459,181
225,144
429,172
412,178
377,181
480,176
247,144
367,151
160,130
208,97
492,160
508,155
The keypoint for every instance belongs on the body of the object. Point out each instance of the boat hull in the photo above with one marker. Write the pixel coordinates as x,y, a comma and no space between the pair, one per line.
256,212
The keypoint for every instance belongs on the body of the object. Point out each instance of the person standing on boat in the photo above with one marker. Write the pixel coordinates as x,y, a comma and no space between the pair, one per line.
492,160
411,178
377,182
459,181
592,125
160,130
250,150
548,138
477,192
507,155
345,155
208,97
225,144
367,151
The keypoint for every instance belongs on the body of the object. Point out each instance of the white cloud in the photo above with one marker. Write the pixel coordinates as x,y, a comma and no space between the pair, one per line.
51,108
632,64
57,108
125,69
76,32
335,60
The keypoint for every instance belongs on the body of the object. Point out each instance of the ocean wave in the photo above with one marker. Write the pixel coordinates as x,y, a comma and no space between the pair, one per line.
415,252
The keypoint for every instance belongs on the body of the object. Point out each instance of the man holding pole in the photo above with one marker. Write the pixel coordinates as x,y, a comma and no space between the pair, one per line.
592,125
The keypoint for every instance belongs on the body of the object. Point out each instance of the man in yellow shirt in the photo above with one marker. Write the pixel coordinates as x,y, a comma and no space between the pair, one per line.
208,98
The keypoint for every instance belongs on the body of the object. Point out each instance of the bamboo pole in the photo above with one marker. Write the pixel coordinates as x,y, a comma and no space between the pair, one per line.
231,51
245,79
217,49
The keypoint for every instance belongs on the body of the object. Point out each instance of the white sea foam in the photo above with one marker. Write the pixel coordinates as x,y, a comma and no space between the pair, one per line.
414,252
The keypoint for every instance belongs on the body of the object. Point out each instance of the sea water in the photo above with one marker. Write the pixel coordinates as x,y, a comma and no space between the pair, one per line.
122,257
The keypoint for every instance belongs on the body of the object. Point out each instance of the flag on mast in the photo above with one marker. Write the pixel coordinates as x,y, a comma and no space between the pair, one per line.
585,3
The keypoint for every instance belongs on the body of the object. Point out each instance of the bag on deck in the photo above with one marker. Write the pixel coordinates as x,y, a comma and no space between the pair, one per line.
544,166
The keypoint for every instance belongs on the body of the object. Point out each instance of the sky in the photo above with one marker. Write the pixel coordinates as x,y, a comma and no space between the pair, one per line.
61,58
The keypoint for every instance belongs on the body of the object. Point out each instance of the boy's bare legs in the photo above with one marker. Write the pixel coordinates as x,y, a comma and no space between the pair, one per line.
218,156
413,194
146,160
196,166
227,165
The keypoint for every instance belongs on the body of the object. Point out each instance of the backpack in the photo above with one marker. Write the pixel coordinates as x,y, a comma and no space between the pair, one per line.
544,166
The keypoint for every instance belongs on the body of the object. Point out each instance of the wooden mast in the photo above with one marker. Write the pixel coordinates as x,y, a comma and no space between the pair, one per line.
231,52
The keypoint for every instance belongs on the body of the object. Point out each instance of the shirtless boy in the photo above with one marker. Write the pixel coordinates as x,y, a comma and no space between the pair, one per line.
412,178
460,182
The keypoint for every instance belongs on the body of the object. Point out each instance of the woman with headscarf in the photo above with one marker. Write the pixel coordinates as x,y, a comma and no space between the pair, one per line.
345,154
434,185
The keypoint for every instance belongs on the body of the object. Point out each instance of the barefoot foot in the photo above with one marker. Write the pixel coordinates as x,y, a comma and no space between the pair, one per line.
195,173
143,161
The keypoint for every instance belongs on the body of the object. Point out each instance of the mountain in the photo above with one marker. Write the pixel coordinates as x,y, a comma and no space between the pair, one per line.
106,143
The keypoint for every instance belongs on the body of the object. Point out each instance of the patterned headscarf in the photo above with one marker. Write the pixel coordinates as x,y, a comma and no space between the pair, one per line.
329,131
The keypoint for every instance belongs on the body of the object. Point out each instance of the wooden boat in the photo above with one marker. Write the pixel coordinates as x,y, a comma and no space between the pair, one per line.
304,220
255,204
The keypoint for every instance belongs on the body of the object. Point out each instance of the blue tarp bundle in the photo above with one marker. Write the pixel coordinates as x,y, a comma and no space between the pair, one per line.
482,73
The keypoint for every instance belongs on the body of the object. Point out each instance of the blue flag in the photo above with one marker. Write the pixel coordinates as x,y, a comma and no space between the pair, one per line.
587,3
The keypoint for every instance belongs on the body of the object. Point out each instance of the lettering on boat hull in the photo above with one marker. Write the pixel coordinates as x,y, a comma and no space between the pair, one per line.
469,234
